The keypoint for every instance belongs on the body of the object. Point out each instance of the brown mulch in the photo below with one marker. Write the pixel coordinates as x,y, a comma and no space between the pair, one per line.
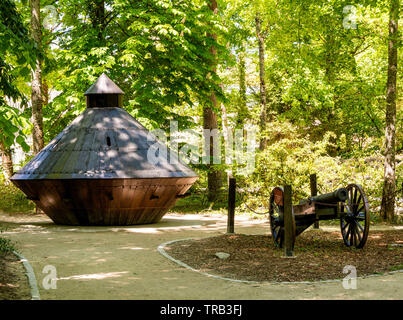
320,255
13,281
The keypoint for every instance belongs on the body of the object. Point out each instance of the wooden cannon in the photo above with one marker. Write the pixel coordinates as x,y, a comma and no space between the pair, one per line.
348,204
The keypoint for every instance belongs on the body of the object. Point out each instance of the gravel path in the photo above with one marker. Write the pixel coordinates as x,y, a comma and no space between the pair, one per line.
123,263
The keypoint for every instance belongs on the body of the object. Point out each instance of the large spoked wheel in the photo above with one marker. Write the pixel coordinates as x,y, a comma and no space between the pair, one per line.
354,220
276,212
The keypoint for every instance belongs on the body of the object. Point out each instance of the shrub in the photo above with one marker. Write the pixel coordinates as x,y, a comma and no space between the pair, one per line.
13,200
290,158
6,245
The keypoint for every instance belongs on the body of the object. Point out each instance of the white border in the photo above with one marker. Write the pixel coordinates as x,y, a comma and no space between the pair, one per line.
31,277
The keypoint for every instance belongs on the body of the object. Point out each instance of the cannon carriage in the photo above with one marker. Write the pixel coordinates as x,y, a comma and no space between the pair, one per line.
349,205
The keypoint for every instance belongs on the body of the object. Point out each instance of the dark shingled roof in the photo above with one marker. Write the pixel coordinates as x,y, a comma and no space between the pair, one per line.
101,143
104,85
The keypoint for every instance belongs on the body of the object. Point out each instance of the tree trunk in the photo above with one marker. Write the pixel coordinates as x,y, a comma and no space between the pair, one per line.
96,10
228,144
388,196
45,92
263,112
242,110
214,178
6,161
36,85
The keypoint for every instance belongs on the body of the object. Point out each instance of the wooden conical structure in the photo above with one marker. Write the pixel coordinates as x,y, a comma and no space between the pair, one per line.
97,170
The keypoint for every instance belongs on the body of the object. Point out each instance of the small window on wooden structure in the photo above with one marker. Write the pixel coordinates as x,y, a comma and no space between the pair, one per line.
104,101
104,93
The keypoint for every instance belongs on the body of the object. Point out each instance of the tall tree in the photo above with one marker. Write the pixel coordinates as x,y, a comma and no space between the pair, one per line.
214,177
242,107
96,10
262,82
6,160
36,82
156,51
388,196
15,55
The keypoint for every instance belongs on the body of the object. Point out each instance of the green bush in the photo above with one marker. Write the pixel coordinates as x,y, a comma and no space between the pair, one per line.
6,245
13,200
290,158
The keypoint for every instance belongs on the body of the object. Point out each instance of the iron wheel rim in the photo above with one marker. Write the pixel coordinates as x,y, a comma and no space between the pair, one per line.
354,221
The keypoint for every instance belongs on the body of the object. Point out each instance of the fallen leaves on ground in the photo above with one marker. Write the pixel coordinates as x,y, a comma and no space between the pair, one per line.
319,255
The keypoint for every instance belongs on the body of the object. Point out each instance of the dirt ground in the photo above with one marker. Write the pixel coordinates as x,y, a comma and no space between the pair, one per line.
319,255
123,263
13,282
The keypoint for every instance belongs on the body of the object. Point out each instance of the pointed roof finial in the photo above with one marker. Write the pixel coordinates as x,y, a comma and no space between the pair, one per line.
104,85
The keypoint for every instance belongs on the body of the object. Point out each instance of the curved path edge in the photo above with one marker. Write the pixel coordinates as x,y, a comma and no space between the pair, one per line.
31,276
161,250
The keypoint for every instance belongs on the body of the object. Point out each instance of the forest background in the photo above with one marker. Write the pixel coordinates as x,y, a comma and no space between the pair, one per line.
319,80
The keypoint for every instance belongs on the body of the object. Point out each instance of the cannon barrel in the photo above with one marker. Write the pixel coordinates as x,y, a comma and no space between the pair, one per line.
332,197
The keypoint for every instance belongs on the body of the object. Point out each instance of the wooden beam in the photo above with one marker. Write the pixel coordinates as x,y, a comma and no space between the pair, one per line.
231,205
288,223
314,192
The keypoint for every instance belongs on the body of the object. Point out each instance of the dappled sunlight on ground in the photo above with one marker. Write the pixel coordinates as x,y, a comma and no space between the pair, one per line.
95,276
126,264
128,248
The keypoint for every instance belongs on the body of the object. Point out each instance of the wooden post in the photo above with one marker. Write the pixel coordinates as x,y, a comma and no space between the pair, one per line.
288,222
231,205
314,192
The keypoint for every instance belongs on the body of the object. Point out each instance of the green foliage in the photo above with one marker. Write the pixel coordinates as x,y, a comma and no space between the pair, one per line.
291,157
396,268
12,123
316,69
158,52
6,245
17,54
325,83
13,200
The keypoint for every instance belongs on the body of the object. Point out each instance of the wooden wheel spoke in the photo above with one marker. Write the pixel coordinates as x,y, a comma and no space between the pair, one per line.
345,226
353,232
348,233
358,231
350,207
360,209
355,197
359,226
359,199
352,235
359,216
